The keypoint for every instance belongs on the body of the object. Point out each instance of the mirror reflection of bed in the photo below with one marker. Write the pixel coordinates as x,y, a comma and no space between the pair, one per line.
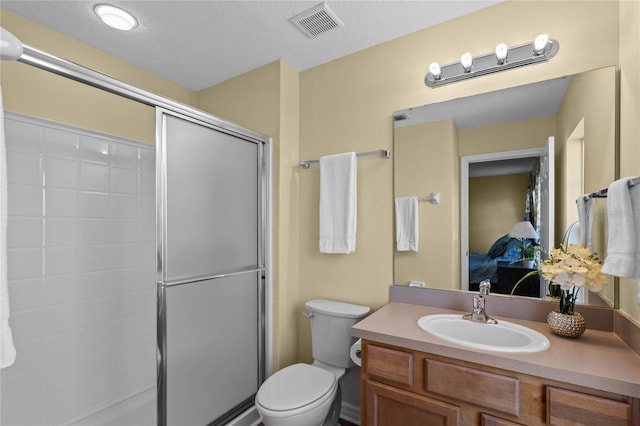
501,265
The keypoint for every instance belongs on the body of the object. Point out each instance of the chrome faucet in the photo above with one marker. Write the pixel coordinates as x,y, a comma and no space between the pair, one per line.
479,314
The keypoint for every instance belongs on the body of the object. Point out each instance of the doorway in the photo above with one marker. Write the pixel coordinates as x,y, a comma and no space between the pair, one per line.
545,154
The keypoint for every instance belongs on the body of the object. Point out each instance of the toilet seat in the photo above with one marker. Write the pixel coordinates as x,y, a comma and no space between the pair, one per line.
299,387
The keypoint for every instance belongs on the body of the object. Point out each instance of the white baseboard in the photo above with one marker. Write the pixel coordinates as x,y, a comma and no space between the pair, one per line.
350,413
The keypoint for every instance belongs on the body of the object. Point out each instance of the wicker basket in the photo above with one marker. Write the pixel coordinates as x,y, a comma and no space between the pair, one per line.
567,325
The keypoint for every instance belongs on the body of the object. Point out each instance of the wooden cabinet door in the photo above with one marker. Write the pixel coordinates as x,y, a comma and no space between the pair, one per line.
568,408
389,406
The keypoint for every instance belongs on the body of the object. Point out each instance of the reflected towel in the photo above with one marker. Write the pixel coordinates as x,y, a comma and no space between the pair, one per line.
585,216
7,349
623,210
407,224
634,193
338,203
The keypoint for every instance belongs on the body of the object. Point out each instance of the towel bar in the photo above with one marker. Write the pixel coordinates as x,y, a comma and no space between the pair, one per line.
434,198
603,192
383,153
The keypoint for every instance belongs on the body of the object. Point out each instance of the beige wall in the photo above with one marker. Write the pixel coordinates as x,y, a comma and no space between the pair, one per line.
347,105
496,203
629,124
266,100
424,158
507,137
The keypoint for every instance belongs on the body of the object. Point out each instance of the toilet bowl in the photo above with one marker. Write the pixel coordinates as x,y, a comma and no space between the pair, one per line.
300,394
310,395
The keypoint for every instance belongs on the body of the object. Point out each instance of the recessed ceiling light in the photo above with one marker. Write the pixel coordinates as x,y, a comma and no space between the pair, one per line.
116,17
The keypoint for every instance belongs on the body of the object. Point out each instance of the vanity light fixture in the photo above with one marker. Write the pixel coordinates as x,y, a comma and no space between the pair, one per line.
503,58
115,17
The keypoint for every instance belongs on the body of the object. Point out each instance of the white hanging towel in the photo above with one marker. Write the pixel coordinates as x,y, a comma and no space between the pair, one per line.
623,247
338,203
407,224
7,349
585,216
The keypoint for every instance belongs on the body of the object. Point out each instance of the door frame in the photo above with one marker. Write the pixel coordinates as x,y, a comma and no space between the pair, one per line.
465,161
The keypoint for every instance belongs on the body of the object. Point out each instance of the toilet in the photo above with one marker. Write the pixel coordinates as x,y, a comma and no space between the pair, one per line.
310,395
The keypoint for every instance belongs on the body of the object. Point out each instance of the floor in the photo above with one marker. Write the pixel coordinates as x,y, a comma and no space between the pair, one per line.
343,422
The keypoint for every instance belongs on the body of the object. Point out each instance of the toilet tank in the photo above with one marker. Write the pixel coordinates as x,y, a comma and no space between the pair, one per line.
331,323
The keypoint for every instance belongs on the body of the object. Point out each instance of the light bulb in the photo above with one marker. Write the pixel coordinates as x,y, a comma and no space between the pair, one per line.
501,53
466,60
540,43
435,70
116,17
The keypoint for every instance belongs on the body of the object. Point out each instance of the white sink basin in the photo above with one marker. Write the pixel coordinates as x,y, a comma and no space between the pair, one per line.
502,337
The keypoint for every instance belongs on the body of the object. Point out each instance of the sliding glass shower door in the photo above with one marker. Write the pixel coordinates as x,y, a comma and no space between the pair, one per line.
210,270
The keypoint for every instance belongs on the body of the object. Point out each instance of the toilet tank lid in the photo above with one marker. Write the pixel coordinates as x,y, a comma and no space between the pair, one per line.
338,309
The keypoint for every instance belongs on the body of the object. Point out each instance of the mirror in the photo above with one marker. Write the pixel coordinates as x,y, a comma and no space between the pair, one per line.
487,133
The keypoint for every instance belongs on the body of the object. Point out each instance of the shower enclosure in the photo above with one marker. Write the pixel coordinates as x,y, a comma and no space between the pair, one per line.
137,273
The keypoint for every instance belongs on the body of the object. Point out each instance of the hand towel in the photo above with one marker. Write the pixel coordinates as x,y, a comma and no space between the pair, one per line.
407,224
622,245
585,216
7,349
338,203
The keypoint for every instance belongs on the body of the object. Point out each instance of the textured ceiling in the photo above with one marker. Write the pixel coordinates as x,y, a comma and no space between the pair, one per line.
198,44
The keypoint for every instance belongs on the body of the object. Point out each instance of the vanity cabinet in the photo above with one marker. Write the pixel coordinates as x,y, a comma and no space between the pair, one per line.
405,387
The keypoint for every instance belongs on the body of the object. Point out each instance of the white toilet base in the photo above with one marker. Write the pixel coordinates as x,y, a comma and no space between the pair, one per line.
328,414
333,417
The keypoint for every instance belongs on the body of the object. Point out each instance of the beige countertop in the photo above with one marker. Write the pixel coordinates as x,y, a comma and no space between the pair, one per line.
598,359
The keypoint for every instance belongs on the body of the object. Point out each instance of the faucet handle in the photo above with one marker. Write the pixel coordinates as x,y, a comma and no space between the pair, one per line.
484,287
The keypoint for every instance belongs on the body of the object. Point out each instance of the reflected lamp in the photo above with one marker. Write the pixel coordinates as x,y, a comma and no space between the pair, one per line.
521,231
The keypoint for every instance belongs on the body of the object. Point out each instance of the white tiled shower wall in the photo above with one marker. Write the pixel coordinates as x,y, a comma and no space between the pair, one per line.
81,265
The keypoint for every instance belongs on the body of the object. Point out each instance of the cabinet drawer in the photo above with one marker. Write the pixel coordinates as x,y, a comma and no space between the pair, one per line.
481,388
566,407
389,364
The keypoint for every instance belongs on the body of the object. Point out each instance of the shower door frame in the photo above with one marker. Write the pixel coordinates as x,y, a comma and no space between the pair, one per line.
163,283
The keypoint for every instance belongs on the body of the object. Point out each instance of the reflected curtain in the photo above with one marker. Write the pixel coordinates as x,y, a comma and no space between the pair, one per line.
532,206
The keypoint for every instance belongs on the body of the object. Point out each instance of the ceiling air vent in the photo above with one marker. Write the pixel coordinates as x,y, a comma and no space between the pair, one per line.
317,20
